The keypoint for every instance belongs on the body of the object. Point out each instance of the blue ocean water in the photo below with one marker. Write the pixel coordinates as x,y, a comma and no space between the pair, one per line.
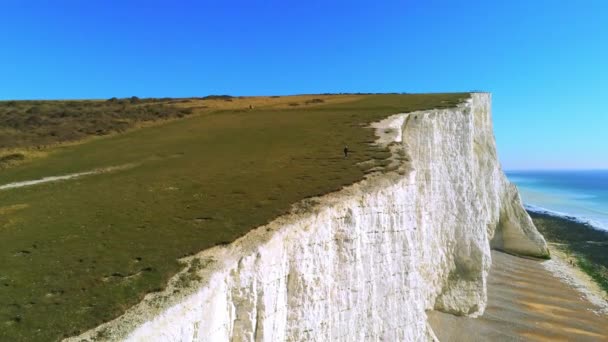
577,195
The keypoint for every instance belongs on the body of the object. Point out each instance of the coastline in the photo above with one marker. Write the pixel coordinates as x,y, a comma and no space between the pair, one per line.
578,245
528,301
561,267
540,300
589,223
376,234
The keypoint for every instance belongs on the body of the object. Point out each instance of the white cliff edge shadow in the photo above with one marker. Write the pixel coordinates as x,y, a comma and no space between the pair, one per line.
366,262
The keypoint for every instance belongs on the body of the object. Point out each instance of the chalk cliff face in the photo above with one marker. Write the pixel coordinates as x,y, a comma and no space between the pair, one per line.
367,262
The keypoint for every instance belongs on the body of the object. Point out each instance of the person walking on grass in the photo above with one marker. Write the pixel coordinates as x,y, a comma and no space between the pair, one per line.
345,151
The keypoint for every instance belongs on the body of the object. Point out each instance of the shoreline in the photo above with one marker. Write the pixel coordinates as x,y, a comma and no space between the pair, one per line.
530,300
540,300
590,223
561,267
577,246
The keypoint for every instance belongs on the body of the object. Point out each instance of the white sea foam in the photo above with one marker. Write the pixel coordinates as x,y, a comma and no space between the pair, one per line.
579,219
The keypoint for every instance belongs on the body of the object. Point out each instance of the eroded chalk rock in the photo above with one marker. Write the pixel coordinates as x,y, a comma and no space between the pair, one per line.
366,262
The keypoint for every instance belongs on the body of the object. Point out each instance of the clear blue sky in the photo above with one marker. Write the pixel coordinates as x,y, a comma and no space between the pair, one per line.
544,61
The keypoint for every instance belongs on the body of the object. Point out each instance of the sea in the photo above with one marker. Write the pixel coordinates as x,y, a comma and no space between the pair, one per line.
580,196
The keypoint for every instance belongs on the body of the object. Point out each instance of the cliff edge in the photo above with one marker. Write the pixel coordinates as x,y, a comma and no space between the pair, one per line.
364,263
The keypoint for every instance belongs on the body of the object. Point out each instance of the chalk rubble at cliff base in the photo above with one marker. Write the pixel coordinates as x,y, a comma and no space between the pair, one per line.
364,263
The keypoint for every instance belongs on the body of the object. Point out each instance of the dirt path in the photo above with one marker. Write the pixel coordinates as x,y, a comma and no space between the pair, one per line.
527,302
64,177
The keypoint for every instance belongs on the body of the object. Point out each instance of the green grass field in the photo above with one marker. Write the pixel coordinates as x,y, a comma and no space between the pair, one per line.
77,253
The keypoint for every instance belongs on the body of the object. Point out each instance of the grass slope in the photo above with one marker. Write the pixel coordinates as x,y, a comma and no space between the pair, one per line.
76,253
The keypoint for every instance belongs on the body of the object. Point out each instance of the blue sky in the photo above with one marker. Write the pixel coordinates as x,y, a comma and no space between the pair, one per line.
544,61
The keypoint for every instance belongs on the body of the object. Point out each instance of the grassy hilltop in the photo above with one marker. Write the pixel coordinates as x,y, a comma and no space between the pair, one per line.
194,173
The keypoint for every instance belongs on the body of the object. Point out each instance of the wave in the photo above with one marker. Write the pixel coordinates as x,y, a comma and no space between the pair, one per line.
578,219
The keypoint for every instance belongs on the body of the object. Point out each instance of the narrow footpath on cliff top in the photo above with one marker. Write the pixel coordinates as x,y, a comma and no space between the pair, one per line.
526,302
50,179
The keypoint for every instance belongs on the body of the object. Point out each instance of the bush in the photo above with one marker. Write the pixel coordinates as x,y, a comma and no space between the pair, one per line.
313,101
218,97
11,157
37,123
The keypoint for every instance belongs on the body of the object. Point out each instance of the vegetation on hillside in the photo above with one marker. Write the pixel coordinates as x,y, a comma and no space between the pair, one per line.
77,253
587,246
42,123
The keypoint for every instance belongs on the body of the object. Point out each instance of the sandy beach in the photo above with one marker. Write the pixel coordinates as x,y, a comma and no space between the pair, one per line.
532,300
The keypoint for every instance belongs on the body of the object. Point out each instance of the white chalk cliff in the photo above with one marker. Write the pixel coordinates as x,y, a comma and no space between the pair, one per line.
364,263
